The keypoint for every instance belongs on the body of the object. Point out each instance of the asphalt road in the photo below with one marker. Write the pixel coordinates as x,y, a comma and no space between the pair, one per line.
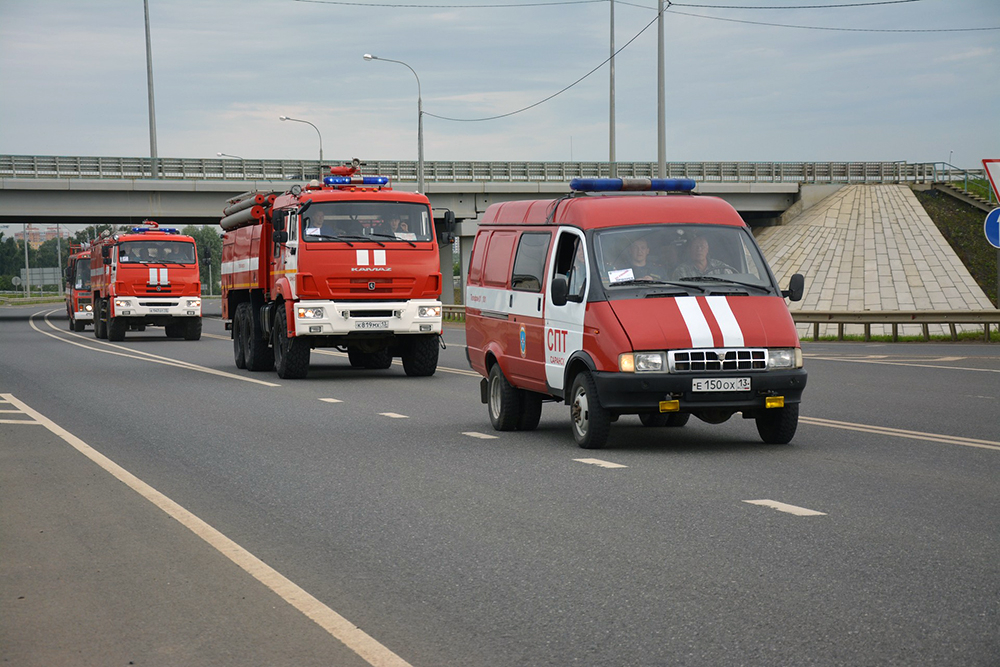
160,507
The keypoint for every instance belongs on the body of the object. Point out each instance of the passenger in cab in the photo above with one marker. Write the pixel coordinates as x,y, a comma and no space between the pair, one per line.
638,256
699,263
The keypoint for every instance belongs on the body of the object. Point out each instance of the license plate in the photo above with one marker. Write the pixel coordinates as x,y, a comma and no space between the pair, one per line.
375,324
720,384
159,310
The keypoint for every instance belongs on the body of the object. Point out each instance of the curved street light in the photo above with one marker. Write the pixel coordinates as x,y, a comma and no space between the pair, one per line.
228,155
299,120
420,119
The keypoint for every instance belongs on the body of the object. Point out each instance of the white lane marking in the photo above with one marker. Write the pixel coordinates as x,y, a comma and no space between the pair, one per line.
393,415
783,507
481,436
901,363
901,433
136,354
599,462
336,625
331,400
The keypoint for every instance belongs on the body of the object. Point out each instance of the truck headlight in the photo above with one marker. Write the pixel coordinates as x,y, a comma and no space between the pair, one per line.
123,303
429,311
788,357
310,313
194,303
88,308
641,362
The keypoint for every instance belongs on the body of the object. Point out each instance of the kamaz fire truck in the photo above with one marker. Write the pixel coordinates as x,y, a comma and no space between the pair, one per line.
79,307
146,276
348,263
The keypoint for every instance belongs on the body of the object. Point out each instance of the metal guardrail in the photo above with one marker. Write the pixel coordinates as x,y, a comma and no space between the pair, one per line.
43,166
895,318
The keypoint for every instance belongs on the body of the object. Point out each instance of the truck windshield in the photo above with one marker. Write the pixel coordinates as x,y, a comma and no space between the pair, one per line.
332,222
156,252
697,257
81,275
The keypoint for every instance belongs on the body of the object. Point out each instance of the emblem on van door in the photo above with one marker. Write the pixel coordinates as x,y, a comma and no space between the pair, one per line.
524,341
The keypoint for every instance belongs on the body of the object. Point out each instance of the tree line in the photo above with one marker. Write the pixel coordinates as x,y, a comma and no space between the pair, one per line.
46,255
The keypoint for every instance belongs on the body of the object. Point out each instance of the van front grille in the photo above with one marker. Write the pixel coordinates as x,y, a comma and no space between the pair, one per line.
713,361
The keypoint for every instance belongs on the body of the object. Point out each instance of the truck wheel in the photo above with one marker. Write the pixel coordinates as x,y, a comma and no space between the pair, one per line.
117,327
291,355
79,325
505,401
591,421
379,360
173,330
100,324
531,411
420,355
777,425
239,352
72,322
259,356
192,329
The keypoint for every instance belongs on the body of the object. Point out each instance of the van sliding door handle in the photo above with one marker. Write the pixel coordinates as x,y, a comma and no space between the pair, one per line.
510,303
539,304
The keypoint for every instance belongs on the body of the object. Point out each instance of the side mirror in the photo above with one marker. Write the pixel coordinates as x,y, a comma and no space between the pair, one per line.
796,286
446,233
106,252
560,289
280,237
278,223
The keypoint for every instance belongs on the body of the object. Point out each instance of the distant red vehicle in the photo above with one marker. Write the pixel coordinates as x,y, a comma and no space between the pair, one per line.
79,303
349,264
145,277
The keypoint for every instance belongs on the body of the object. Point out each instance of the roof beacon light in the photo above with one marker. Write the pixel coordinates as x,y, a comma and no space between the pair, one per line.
632,184
356,180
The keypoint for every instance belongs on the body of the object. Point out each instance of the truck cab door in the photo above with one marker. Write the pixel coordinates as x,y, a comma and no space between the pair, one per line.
284,259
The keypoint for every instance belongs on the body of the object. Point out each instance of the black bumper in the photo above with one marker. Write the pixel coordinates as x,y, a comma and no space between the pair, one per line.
632,392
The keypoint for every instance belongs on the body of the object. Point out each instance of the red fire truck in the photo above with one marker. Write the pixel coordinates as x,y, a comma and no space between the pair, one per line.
349,264
146,276
79,307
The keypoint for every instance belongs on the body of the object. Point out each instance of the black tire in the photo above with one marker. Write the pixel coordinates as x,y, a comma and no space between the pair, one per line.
777,425
291,354
192,329
239,352
258,355
173,330
117,327
678,419
79,325
504,402
72,322
100,324
591,421
420,355
531,411
356,357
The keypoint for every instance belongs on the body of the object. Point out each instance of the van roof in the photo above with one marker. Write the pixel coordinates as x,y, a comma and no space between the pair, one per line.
599,211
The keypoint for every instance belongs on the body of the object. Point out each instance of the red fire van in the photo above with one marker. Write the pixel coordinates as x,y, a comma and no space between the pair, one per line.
658,304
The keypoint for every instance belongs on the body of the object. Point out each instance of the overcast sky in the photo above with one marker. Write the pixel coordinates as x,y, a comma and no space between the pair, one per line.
73,80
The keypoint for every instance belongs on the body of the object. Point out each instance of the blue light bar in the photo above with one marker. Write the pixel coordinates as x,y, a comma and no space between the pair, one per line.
632,184
356,180
165,230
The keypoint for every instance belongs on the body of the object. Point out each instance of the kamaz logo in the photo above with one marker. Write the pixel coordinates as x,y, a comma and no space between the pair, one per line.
371,268
371,286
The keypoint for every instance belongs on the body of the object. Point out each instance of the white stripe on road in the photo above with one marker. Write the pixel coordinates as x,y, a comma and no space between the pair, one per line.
393,415
901,433
336,625
782,507
331,400
481,436
599,462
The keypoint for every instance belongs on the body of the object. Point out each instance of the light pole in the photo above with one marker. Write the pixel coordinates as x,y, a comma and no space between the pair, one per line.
233,156
420,120
152,107
297,120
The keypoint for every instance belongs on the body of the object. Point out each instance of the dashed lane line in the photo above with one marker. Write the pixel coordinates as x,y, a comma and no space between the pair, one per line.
373,652
902,433
784,507
600,463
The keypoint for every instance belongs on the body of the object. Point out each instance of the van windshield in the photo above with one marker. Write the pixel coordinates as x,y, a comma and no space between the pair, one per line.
699,258
385,222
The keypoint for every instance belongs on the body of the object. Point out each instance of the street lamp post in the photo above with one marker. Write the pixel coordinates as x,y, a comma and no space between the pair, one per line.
297,120
420,120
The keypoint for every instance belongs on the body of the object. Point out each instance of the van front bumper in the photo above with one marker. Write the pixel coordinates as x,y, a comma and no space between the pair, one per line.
633,393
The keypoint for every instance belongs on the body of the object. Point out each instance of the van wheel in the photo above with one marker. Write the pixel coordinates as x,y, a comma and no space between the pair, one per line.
531,411
504,403
420,355
777,425
591,421
239,352
291,354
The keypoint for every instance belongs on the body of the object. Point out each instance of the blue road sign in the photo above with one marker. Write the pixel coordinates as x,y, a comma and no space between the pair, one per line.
992,227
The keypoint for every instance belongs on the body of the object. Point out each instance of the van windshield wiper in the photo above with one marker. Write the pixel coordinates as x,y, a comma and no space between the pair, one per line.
641,281
717,279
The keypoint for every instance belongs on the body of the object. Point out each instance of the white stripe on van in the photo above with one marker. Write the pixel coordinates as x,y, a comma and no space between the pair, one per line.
732,334
694,319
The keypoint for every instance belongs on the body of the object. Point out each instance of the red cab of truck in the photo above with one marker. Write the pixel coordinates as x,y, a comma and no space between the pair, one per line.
349,264
657,304
147,276
79,300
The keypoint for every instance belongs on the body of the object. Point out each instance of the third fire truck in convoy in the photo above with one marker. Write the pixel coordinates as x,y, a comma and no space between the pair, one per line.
348,263
79,306
145,276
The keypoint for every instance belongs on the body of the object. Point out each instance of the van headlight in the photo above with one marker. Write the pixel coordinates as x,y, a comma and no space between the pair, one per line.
787,357
641,362
314,313
429,311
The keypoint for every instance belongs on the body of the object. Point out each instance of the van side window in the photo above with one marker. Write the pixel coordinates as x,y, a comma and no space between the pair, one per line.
529,263
496,267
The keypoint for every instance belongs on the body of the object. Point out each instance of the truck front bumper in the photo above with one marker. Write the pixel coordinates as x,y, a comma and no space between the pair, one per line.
156,307
339,318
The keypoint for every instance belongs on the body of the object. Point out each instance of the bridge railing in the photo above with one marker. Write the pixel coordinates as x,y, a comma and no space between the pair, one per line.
136,168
